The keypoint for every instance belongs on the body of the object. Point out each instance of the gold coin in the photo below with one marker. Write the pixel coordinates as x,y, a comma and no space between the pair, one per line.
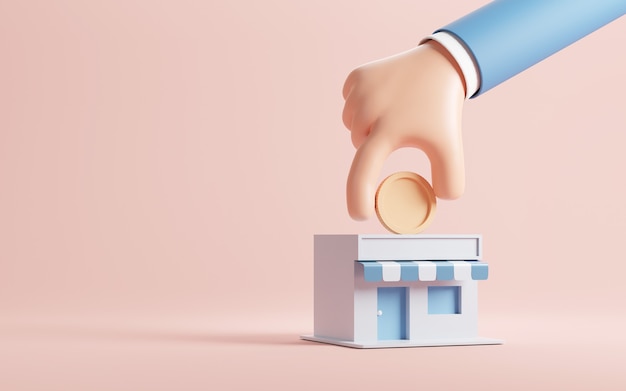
405,203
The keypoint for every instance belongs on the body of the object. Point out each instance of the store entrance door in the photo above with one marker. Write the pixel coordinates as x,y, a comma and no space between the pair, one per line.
392,313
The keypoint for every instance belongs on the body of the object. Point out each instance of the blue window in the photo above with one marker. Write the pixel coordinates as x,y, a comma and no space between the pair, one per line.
444,300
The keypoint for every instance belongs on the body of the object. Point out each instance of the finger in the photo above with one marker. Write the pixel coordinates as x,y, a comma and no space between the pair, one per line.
361,124
349,83
366,166
448,169
349,109
358,116
359,137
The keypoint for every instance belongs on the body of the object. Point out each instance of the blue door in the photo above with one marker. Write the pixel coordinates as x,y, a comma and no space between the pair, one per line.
392,313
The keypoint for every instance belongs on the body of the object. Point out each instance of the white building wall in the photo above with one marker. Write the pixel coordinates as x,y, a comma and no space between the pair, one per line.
365,307
435,326
334,257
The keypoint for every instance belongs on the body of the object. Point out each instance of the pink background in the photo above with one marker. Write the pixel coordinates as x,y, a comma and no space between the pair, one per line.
165,164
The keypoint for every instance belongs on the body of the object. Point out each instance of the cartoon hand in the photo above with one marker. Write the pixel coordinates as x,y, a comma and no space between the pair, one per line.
413,99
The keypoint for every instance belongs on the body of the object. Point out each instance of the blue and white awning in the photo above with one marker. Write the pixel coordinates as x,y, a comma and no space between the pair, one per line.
424,270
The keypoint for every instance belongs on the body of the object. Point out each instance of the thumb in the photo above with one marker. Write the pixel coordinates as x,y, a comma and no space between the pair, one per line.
448,167
366,166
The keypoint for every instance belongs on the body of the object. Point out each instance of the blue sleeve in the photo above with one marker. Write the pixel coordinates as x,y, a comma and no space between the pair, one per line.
506,37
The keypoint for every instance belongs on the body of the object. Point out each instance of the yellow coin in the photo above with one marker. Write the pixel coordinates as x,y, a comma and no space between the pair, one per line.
405,203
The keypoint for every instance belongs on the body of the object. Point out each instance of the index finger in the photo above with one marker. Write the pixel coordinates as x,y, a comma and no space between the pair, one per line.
366,166
349,83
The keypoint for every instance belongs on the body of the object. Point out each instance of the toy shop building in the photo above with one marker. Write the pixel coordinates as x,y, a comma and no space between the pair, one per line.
375,291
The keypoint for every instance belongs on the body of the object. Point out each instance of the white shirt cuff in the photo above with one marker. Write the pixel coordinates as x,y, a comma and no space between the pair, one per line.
462,57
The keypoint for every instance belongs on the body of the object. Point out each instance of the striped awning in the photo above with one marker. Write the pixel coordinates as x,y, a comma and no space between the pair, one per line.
424,270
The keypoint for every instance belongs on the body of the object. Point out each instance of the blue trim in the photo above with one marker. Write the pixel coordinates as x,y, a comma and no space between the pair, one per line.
409,271
372,271
445,271
480,271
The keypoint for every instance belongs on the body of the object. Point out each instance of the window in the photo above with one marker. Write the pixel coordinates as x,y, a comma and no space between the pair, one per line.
444,300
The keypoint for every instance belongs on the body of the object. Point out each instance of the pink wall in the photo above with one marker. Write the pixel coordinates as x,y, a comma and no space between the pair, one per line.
153,156
172,160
